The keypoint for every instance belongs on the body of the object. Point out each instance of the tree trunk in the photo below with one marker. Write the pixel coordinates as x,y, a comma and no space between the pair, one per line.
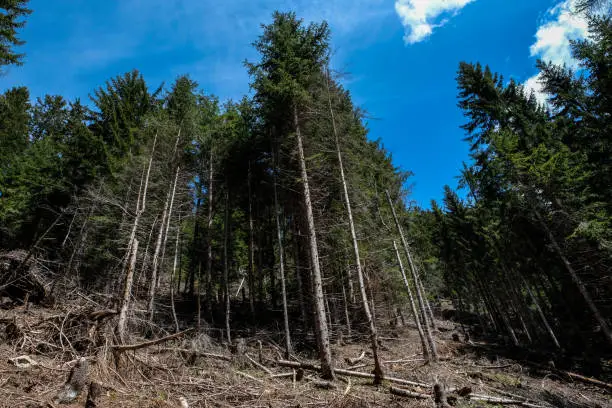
176,254
298,278
141,204
281,266
581,287
347,316
163,250
324,349
549,329
226,293
209,236
127,293
417,320
153,283
430,340
251,276
378,371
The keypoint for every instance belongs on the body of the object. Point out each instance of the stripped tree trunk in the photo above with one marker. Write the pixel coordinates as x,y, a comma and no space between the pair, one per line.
417,320
319,300
378,371
415,278
281,265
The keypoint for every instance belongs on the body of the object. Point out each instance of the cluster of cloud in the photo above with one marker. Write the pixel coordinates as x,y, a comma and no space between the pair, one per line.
553,41
420,17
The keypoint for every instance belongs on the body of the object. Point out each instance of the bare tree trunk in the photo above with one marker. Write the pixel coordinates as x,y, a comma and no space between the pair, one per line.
581,287
226,268
133,247
176,253
415,278
298,278
430,315
319,300
347,316
417,320
378,370
163,250
251,249
153,283
209,234
199,297
281,265
127,292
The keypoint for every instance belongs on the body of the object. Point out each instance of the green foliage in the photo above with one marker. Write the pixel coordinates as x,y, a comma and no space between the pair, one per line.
12,15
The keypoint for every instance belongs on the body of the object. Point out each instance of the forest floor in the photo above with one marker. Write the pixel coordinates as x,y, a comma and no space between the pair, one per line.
195,371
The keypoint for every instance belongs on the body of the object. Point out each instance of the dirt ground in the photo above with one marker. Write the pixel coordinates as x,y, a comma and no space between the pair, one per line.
190,372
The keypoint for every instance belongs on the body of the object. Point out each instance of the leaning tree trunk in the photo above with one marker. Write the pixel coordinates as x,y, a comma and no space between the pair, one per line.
581,286
319,301
281,265
378,371
417,320
415,278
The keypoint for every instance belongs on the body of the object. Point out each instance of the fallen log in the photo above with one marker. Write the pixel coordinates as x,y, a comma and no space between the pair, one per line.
326,385
149,343
340,371
406,393
589,380
503,401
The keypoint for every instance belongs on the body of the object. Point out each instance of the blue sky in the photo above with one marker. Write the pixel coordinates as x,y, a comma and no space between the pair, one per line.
400,56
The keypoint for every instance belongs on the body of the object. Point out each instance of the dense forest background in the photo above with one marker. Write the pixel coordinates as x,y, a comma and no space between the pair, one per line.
279,210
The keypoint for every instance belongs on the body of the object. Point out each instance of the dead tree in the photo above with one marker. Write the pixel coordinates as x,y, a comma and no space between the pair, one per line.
281,266
415,279
417,320
378,371
319,300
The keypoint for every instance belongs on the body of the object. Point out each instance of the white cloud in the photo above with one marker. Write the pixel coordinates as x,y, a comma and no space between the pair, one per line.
420,17
553,41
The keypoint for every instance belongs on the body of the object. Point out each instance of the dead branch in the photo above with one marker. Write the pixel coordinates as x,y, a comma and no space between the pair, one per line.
149,343
406,393
340,371
266,369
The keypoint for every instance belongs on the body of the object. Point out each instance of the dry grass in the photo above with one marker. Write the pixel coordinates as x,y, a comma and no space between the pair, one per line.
158,376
